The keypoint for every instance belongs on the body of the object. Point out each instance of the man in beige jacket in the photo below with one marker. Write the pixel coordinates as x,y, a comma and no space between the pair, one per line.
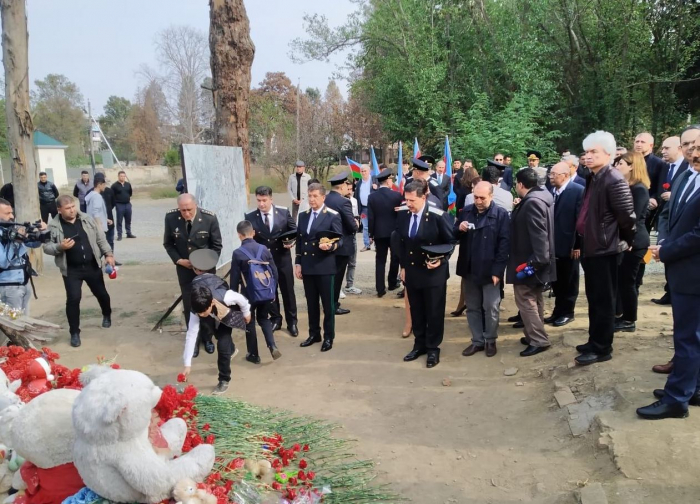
298,186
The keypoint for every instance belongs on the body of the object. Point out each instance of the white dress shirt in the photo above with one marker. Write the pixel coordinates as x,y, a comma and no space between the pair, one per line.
674,166
270,217
313,218
417,219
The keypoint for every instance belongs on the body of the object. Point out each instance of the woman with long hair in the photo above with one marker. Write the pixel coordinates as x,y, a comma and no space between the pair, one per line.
633,167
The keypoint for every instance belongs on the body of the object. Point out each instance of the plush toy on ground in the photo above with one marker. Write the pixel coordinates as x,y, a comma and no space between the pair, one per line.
186,492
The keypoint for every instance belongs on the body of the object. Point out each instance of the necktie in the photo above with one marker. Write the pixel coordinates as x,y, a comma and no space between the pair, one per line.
189,227
556,197
671,172
311,222
266,220
414,227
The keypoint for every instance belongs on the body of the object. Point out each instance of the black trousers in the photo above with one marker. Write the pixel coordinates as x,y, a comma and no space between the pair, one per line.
73,282
427,315
627,277
123,212
110,236
565,288
341,264
320,288
285,272
601,292
261,314
382,245
47,208
224,345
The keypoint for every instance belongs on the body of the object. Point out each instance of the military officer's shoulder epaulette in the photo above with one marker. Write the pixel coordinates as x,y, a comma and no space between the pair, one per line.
172,211
435,210
281,207
327,209
208,212
403,207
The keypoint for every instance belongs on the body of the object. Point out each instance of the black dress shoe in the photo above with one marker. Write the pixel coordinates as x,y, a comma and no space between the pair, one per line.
694,400
131,236
515,318
459,312
663,300
562,321
472,349
433,360
659,411
310,341
119,238
327,345
550,319
519,325
400,293
255,359
524,341
585,348
75,340
394,287
276,325
341,311
591,358
117,263
625,326
293,330
413,355
106,322
381,294
209,347
195,354
533,350
491,349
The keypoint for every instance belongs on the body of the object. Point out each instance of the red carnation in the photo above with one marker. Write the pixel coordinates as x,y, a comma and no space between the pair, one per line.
301,476
666,186
293,481
303,464
310,475
210,439
276,486
181,378
206,427
306,447
296,447
115,366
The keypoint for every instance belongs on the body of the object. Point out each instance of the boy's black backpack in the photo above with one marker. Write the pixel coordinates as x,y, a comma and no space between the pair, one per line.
258,282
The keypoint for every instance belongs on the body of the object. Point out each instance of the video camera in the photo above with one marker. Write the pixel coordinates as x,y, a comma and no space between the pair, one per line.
12,231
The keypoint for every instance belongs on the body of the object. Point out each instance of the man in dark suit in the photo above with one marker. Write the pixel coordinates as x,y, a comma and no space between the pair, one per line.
315,264
457,172
382,222
336,200
644,144
270,221
680,252
443,181
363,188
421,171
568,197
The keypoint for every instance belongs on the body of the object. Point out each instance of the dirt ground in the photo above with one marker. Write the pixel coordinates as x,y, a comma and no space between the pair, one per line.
462,432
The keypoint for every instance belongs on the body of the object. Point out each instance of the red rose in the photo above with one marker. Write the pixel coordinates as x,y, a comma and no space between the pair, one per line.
303,464
666,186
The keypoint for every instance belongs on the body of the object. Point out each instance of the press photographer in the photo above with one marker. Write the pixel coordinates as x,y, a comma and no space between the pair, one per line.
15,268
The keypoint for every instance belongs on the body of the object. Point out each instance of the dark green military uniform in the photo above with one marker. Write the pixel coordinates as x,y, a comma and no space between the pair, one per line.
178,241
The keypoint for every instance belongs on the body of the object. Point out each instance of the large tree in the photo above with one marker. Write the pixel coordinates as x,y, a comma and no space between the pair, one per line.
145,125
58,111
115,125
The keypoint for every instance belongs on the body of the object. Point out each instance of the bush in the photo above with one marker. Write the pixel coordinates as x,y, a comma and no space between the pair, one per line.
164,193
172,158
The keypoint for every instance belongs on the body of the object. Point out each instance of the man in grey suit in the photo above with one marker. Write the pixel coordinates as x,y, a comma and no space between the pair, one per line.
443,181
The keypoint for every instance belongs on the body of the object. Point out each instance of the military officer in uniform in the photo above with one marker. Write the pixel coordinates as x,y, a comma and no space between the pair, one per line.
189,228
421,225
319,236
336,200
381,209
270,221
421,171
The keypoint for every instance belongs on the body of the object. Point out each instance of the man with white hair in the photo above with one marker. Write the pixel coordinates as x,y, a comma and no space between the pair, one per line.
607,224
573,162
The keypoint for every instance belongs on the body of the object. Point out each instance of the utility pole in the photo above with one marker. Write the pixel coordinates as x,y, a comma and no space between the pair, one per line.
298,148
92,146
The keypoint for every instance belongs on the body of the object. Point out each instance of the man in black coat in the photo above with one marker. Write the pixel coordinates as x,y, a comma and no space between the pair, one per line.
568,197
315,264
680,252
644,144
122,199
443,181
531,263
382,222
48,192
270,221
421,171
341,185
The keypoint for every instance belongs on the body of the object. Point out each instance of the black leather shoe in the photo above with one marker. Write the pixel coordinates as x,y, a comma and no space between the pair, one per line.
471,350
381,294
515,318
131,236
585,348
106,322
393,287
562,321
195,354
659,411
433,360
310,341
591,358
550,319
694,401
663,300
209,347
458,313
524,341
491,349
293,330
341,311
625,326
255,359
327,345
276,325
519,325
119,238
413,355
75,340
533,350
400,293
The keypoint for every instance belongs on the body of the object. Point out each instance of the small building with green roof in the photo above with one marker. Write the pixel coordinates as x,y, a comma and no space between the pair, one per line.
51,158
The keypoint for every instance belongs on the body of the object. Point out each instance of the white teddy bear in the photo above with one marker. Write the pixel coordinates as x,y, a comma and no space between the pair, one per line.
112,451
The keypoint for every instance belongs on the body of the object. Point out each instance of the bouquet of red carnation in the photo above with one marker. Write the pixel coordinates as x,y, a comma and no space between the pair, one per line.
666,186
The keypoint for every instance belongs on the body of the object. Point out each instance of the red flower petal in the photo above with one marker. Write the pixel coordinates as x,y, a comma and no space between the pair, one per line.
303,464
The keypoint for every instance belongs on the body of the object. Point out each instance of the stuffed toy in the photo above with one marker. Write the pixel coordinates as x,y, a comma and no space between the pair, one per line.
186,492
112,450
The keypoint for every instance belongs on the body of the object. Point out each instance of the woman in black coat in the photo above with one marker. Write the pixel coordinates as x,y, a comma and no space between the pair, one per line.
633,167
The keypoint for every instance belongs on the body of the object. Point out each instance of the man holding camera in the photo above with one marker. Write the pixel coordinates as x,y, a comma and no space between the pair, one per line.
15,268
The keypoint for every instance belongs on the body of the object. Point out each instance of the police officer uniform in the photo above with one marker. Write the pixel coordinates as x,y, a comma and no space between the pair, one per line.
318,270
436,195
381,210
342,205
182,237
279,221
426,288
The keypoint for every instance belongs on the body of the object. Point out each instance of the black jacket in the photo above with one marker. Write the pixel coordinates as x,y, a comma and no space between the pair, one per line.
677,187
122,193
48,192
483,251
655,169
381,212
445,187
108,196
640,198
343,206
312,259
566,211
282,222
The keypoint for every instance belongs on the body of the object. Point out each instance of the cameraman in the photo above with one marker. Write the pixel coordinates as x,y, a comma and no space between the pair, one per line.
15,268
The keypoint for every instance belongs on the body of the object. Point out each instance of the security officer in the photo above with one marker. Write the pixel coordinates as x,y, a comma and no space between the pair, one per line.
421,171
189,228
319,236
381,206
270,221
420,225
336,200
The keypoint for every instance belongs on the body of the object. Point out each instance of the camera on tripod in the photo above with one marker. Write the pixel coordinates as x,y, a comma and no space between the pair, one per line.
21,232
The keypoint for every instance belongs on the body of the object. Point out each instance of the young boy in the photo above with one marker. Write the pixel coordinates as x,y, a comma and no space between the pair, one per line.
219,308
248,250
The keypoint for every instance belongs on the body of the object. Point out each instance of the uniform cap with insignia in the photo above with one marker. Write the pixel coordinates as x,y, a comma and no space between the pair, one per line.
533,154
327,233
437,251
300,163
338,179
419,164
384,174
491,162
204,259
289,237
427,159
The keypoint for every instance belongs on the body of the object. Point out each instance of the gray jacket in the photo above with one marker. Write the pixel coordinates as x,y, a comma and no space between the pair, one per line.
95,235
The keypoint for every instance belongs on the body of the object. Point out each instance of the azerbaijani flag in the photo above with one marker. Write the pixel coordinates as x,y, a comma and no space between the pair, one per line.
416,149
354,168
447,158
398,186
375,165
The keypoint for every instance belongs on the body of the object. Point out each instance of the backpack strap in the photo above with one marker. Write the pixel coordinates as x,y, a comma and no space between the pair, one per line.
246,253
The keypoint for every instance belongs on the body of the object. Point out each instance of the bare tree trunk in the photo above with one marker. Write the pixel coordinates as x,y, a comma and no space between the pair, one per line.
232,53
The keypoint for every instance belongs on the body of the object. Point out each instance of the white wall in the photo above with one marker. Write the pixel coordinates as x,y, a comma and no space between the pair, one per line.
54,159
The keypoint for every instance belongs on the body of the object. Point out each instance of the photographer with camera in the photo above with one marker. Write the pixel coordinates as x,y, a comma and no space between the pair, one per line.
15,268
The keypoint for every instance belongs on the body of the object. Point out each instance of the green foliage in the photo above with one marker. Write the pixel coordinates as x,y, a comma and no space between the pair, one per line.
164,193
115,125
57,107
172,157
80,159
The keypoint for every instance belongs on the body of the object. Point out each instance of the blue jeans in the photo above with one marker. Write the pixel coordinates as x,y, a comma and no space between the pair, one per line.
365,226
123,213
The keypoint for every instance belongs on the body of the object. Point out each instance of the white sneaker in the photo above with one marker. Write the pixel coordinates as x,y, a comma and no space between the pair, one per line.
342,294
353,290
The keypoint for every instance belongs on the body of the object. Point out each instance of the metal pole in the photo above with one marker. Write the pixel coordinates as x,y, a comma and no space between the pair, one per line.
92,147
298,150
